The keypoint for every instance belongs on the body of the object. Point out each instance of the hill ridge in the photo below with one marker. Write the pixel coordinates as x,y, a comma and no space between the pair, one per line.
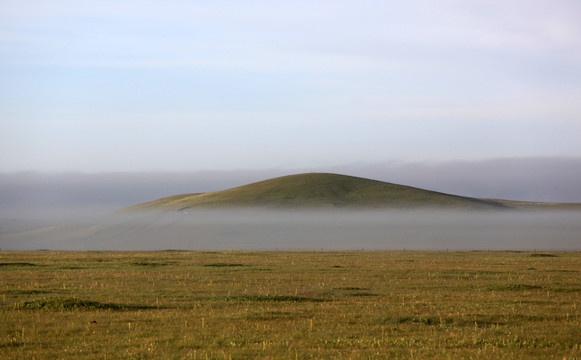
319,190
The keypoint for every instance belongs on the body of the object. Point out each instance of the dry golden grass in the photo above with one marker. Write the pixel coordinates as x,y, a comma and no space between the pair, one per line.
289,305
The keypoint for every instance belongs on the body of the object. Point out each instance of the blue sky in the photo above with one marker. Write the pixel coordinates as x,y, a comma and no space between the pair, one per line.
96,86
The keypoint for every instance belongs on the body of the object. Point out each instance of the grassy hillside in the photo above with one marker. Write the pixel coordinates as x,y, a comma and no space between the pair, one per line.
320,190
534,205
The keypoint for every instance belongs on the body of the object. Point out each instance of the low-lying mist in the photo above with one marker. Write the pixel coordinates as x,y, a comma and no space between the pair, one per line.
244,229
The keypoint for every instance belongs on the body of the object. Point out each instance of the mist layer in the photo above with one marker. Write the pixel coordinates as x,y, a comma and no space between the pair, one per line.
245,229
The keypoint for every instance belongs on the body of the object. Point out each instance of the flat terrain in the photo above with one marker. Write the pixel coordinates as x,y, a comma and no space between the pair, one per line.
290,305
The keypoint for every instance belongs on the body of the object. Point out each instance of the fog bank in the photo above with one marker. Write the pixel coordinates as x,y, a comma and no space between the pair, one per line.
309,230
34,195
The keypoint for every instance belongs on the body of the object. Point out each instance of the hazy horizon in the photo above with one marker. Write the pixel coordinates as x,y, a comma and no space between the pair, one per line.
37,195
255,229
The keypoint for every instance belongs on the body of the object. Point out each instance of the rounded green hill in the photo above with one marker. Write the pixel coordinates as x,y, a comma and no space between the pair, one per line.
319,190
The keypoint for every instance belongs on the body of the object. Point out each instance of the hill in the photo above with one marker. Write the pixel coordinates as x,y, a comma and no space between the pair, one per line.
319,190
168,223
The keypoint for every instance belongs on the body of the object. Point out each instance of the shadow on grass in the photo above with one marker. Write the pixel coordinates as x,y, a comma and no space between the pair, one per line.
265,298
447,321
477,321
16,264
220,264
276,316
150,264
75,304
542,255
26,292
514,287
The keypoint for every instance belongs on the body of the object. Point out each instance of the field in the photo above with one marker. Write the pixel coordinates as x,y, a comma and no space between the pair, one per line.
290,305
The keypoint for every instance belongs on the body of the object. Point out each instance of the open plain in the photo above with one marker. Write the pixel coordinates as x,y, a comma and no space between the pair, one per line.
290,305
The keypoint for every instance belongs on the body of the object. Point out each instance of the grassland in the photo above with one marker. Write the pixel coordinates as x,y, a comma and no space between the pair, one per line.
290,305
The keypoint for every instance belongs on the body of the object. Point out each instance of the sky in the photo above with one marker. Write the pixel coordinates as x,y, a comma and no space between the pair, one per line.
108,86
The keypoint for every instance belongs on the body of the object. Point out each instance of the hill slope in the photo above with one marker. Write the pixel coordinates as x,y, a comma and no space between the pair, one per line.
320,190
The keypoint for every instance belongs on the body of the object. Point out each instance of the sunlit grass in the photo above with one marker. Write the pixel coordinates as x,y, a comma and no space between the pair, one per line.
320,190
287,305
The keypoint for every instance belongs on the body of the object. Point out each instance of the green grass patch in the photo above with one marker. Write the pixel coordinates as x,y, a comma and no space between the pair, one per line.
59,303
350,288
536,255
514,287
424,320
566,290
268,298
221,264
149,264
276,316
16,264
26,291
